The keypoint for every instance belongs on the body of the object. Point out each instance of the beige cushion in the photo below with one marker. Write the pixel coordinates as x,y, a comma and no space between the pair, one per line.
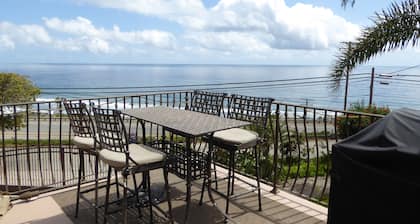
141,154
237,136
84,143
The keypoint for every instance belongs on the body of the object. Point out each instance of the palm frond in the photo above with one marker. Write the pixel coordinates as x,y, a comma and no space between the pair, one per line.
344,3
397,27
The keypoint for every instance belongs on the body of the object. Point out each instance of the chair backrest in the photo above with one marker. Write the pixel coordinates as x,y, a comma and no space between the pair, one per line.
249,108
207,102
111,130
80,120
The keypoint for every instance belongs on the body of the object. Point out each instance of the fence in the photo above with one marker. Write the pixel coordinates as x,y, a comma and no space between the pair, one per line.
36,149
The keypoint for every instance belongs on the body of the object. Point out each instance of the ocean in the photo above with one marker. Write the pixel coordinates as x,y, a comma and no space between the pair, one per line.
394,87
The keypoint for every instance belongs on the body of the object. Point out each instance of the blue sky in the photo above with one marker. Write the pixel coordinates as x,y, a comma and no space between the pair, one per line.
298,32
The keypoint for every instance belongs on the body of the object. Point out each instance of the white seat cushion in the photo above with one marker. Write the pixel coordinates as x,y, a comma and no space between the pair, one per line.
141,154
84,143
237,136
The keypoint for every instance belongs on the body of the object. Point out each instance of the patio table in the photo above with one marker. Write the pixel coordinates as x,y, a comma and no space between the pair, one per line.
188,124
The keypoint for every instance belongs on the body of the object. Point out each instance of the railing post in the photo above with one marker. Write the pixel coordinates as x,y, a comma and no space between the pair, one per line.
62,158
347,80
186,101
2,123
276,148
372,78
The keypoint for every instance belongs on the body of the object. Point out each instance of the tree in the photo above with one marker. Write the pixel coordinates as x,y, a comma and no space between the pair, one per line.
15,88
397,27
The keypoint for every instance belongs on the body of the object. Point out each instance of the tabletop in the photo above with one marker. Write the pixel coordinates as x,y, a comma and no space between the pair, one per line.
184,121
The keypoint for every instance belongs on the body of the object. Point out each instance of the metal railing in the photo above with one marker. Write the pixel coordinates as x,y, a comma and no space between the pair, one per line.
36,150
302,142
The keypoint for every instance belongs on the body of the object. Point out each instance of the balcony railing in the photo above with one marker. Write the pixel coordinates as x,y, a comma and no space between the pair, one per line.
37,154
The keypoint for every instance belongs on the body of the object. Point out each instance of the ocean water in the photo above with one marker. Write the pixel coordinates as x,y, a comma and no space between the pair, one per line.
306,85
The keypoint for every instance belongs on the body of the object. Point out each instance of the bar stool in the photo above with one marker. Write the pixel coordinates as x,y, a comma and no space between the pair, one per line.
208,103
84,139
119,154
255,110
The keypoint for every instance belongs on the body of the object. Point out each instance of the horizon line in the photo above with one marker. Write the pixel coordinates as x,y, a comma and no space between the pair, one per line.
182,64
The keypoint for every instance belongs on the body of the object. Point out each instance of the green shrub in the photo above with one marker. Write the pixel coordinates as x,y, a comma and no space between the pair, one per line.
15,88
350,124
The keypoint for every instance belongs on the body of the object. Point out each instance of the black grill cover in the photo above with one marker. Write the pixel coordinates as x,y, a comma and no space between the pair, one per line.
375,174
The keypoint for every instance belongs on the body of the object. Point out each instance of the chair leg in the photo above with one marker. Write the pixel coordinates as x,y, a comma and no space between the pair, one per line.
149,194
125,198
231,155
168,194
96,187
117,185
215,171
83,167
108,182
258,174
202,190
81,159
206,178
233,174
136,191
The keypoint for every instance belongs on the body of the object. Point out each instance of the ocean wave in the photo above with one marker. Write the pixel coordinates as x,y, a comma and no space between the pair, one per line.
45,99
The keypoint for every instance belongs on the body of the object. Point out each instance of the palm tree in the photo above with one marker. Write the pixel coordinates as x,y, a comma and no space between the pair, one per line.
344,3
397,27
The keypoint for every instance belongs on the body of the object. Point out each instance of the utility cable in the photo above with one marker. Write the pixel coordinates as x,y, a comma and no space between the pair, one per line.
405,69
212,88
196,85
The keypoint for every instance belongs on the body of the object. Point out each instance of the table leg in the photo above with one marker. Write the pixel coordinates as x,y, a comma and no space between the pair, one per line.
209,161
188,149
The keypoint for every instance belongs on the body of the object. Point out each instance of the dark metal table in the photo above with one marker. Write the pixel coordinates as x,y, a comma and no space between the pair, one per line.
188,124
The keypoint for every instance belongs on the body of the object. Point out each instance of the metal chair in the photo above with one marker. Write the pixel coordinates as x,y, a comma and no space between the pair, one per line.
118,153
84,139
255,110
208,103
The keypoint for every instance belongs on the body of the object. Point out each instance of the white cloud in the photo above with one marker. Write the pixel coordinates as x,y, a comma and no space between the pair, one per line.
155,38
301,26
267,22
99,38
228,42
11,34
236,28
6,42
97,45
69,44
80,34
93,45
79,26
312,27
187,12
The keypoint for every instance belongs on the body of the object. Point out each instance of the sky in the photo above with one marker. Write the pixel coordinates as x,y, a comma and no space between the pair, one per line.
277,32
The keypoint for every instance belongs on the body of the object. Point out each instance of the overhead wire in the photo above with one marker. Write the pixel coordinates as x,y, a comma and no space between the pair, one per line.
195,85
316,83
405,69
211,88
